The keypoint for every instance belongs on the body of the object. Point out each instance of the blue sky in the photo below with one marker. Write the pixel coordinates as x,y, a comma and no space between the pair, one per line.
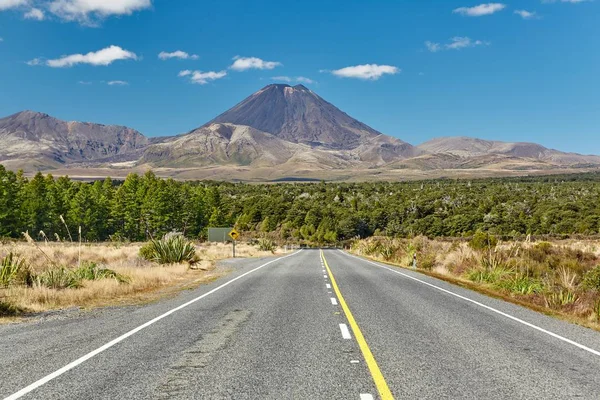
412,69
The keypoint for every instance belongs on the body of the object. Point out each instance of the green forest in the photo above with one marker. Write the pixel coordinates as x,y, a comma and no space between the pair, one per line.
144,207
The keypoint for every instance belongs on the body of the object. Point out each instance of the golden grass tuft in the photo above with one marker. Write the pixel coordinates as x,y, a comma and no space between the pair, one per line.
146,280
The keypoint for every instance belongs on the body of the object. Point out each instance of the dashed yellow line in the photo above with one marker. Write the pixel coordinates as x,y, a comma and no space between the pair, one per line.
380,383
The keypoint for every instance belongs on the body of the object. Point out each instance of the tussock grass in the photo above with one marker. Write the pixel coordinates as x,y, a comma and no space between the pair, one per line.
559,276
173,248
109,274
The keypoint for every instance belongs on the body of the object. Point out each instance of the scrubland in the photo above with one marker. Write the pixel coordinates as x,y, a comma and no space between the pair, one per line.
36,276
559,277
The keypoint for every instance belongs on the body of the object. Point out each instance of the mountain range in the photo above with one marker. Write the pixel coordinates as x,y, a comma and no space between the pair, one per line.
279,132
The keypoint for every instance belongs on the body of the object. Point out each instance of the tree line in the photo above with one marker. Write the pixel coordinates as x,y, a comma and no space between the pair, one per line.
143,207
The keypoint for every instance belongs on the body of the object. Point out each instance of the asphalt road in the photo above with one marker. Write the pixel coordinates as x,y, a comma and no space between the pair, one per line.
300,328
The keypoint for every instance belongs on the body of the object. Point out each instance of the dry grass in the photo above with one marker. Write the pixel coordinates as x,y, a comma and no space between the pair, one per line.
146,280
553,277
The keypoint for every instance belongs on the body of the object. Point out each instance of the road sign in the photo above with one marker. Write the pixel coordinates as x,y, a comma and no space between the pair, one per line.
219,235
234,234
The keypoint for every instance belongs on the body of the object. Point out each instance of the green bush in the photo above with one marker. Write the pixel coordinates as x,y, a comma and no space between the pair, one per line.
265,244
92,272
489,275
591,279
58,278
172,248
7,309
12,268
521,284
483,241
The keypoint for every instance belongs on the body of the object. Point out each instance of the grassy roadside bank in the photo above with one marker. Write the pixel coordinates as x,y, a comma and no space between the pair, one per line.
560,278
37,277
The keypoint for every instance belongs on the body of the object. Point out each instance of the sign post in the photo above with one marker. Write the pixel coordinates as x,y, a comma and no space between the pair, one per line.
234,235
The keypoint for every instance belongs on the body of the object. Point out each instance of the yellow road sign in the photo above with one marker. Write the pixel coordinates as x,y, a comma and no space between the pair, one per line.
234,234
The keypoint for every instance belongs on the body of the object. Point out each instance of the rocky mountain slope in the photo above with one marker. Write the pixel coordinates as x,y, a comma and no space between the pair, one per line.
279,132
472,148
38,138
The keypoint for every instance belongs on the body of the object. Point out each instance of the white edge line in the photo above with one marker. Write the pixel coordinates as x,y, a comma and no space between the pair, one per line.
328,286
554,335
113,342
345,331
366,396
334,301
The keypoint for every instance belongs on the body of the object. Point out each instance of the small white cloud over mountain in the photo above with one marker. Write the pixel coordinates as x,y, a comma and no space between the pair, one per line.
102,57
246,63
366,71
202,78
182,55
480,10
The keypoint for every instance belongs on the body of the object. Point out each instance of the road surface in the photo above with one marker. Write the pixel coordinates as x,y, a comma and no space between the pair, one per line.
311,325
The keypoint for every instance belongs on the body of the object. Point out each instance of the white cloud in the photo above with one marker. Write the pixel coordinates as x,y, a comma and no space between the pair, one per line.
366,71
245,63
456,43
117,83
303,79
101,57
177,54
35,13
8,4
480,10
527,14
85,11
35,61
459,42
433,47
300,79
84,82
282,78
202,78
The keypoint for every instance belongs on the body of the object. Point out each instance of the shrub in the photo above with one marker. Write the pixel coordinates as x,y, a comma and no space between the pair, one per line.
171,249
58,278
521,284
11,268
7,309
489,275
265,244
92,272
591,279
483,241
561,298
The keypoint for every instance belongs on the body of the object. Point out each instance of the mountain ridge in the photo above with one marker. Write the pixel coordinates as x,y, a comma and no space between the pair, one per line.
280,130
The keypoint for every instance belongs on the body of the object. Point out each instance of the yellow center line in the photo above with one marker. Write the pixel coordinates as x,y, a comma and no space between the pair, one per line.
380,383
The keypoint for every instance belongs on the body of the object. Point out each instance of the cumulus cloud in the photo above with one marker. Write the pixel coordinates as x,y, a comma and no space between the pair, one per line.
246,63
35,61
202,78
35,13
480,10
163,55
456,43
101,57
303,79
117,83
433,47
85,11
527,14
366,71
290,79
9,4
